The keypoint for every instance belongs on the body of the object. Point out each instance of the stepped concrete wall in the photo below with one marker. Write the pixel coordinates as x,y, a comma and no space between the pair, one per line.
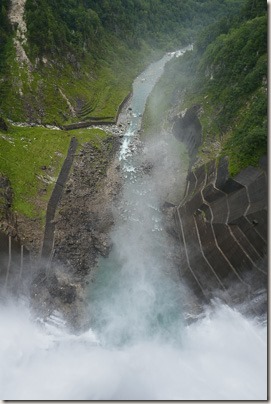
222,227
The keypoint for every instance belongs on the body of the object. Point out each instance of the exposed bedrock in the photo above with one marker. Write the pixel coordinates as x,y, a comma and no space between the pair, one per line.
222,227
85,217
187,129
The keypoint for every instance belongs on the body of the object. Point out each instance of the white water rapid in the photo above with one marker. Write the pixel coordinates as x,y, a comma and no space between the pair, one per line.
140,344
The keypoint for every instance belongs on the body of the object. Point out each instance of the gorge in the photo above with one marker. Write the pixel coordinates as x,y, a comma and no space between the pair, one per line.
141,315
148,279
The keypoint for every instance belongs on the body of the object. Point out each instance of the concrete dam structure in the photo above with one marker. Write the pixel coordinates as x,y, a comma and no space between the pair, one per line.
222,227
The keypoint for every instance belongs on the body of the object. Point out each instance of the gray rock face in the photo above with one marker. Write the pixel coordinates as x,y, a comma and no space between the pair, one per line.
188,130
3,124
5,198
85,217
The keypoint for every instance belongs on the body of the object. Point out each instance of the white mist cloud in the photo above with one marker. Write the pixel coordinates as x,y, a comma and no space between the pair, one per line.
222,357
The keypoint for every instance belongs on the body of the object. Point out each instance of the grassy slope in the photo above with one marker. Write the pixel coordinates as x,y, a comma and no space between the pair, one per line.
96,89
99,86
25,150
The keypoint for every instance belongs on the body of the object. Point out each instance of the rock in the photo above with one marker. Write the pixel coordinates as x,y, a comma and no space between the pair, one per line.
67,293
189,123
101,243
5,197
3,124
85,216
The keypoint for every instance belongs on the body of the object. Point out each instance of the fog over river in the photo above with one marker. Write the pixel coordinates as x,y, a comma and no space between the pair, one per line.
147,339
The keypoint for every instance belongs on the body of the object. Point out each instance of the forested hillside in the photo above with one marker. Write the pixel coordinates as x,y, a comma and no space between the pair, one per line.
76,58
226,74
82,25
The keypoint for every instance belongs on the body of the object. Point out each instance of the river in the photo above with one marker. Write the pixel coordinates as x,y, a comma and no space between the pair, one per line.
140,344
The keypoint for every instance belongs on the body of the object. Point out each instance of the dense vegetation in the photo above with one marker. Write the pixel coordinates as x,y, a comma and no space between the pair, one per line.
82,25
4,28
227,75
5,32
84,54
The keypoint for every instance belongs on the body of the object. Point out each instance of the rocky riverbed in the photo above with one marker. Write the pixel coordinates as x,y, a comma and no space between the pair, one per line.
83,220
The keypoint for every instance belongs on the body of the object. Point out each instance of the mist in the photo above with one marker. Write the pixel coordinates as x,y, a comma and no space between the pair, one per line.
222,357
137,292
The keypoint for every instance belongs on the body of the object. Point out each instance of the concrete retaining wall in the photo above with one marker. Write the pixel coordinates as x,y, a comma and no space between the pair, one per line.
222,227
48,240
